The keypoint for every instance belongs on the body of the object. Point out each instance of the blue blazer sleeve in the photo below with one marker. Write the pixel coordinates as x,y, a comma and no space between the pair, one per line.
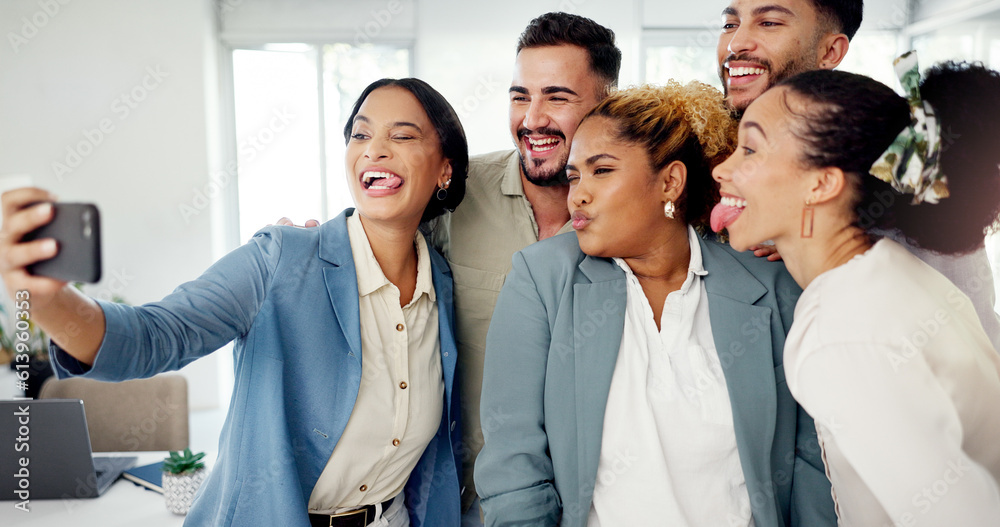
196,319
514,475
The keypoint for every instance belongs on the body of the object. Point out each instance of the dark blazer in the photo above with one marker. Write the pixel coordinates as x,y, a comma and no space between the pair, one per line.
550,356
290,299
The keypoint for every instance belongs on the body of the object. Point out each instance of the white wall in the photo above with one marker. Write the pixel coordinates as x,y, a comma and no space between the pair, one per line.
70,67
879,14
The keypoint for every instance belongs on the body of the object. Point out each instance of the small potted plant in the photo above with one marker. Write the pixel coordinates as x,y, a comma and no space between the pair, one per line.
25,346
183,473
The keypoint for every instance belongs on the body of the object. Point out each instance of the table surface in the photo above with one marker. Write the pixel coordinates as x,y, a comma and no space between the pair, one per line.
123,504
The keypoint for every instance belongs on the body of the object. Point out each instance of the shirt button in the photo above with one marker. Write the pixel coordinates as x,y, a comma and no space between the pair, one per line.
402,385
395,442
399,327
363,488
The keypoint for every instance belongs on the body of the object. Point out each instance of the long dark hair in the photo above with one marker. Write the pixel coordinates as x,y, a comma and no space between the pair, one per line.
450,133
849,120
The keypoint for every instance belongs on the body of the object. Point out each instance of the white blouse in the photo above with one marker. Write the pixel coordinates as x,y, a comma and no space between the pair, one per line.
890,359
668,448
399,404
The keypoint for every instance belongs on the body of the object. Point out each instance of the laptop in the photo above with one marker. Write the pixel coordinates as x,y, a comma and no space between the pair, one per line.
45,452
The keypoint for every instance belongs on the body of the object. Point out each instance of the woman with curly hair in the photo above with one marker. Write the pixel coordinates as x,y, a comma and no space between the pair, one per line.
633,369
886,353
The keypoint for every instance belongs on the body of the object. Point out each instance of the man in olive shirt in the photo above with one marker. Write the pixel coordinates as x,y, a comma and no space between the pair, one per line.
517,197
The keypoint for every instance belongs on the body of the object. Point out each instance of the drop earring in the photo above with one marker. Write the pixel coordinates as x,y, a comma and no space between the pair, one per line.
669,209
442,192
808,214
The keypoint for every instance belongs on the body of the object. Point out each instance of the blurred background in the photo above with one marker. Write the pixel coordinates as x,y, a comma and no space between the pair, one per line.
193,123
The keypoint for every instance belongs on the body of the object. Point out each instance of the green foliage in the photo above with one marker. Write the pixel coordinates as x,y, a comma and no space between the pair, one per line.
37,343
183,462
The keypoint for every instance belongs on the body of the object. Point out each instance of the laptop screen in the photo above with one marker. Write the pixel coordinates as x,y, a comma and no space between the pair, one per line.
45,450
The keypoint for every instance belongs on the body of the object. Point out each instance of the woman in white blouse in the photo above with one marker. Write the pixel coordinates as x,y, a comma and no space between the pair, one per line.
886,354
633,369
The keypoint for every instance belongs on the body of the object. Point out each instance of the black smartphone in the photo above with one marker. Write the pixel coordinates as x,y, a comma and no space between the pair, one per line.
76,227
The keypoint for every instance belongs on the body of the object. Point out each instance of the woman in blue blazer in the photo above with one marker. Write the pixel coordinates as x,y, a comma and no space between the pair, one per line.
290,299
585,317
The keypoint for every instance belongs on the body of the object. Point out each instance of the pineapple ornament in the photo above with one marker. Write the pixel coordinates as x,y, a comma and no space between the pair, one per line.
182,475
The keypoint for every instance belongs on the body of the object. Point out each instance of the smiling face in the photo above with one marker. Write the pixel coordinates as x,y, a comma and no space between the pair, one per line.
763,184
763,42
394,160
553,88
615,198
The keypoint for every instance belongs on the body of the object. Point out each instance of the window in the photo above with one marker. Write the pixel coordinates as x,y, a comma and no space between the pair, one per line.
687,55
872,54
682,55
291,103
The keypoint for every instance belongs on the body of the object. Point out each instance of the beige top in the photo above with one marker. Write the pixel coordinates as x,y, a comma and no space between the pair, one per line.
401,398
479,239
890,359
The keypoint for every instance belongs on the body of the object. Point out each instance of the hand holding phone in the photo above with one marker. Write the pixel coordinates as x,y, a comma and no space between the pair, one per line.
76,227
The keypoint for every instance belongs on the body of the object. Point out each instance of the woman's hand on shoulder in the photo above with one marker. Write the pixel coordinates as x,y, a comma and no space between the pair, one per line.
284,221
24,210
766,250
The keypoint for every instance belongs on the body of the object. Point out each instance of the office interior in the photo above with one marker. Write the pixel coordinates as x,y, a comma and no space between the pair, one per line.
191,123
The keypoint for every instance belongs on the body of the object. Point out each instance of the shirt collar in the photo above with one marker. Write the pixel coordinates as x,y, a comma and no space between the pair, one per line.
511,184
370,275
695,266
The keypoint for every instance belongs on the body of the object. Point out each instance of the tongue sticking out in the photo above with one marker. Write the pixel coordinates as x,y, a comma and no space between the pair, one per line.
390,182
724,215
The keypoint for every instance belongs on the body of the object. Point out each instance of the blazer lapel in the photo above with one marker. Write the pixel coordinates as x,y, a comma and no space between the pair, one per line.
342,279
742,333
443,290
598,324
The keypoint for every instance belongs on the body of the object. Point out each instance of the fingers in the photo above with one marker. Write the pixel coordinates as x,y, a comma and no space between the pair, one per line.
15,200
21,255
766,250
285,222
16,225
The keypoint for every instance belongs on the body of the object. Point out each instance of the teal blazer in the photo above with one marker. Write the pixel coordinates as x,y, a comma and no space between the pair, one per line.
551,352
289,298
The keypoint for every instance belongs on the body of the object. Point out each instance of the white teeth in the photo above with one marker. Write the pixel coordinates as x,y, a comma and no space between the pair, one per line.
740,72
372,176
542,145
733,202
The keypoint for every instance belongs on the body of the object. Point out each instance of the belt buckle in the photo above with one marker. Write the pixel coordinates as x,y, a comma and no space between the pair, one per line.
358,514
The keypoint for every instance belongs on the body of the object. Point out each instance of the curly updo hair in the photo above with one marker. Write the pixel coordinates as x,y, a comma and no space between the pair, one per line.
848,121
451,135
688,123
